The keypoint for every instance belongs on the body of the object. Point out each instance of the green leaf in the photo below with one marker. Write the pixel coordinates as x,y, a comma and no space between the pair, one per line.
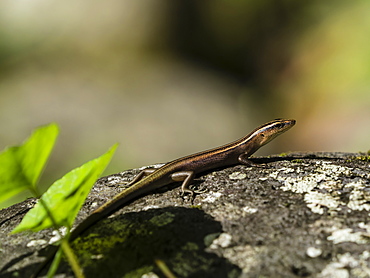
65,197
21,166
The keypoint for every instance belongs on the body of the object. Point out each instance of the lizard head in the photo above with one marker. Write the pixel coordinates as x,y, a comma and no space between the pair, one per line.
270,130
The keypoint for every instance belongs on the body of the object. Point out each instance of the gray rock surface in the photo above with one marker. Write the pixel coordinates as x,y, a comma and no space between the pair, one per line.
300,215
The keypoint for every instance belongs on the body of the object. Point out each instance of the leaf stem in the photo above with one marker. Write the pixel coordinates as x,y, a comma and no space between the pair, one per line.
71,257
48,211
67,250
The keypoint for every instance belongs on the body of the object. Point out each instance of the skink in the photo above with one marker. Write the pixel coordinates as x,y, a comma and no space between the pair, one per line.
184,169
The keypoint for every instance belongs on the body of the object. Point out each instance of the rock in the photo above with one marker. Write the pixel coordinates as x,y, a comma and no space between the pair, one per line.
300,215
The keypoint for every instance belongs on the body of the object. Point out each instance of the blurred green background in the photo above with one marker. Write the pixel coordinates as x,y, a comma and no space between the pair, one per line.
168,78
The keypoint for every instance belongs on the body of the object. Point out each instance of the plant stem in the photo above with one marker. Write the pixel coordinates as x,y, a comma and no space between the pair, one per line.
72,259
67,250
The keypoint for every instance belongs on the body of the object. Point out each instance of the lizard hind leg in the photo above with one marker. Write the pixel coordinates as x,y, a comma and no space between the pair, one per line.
140,176
186,177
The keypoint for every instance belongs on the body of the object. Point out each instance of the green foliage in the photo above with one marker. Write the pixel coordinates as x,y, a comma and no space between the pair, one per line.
21,166
65,197
20,169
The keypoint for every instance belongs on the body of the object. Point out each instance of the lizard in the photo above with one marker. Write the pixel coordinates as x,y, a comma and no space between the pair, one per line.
186,168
